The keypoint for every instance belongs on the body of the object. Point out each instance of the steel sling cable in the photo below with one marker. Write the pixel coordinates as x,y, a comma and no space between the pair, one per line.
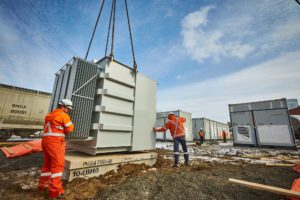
38,14
131,40
113,32
95,27
109,27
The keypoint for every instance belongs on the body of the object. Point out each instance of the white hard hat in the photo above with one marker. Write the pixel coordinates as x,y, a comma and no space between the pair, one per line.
66,102
171,113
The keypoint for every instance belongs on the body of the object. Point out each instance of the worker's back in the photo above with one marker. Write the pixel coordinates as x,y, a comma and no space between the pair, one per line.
176,127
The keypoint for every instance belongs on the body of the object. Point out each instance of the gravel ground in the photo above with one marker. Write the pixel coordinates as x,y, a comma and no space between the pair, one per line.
202,180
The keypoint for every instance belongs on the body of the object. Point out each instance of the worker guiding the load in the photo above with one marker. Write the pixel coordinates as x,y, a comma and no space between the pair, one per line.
57,125
175,125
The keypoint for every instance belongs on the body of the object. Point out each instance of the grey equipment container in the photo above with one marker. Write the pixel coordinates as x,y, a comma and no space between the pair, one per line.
212,129
114,107
162,119
262,124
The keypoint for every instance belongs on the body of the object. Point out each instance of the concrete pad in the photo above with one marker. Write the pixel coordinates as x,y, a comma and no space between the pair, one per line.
79,165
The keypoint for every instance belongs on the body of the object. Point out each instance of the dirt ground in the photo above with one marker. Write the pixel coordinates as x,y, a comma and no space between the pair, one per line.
201,180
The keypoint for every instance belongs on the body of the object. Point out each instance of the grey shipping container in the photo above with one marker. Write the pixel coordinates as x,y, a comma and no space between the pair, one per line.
22,111
162,118
212,129
114,106
262,124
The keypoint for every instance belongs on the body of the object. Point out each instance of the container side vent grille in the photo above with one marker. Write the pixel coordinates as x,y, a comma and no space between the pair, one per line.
83,99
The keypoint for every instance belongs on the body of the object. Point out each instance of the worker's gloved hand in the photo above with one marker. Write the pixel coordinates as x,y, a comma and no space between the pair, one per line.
154,129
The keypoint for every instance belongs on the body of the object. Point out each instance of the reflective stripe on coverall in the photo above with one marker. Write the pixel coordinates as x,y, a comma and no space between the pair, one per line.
57,124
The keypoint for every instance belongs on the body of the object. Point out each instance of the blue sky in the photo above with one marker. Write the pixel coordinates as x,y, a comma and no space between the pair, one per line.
203,54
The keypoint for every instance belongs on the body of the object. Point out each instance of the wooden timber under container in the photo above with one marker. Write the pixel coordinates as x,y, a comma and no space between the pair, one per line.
80,165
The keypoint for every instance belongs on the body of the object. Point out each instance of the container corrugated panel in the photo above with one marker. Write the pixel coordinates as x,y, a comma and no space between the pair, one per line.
77,81
259,105
83,98
212,129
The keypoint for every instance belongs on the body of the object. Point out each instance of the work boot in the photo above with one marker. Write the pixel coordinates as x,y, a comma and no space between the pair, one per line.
176,159
186,157
187,164
175,165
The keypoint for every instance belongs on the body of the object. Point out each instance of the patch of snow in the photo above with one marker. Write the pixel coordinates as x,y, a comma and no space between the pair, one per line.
226,153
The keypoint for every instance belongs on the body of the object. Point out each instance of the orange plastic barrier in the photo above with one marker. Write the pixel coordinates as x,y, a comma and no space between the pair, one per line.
296,187
297,168
23,149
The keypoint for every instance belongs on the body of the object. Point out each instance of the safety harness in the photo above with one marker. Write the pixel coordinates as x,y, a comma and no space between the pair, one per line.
50,133
176,127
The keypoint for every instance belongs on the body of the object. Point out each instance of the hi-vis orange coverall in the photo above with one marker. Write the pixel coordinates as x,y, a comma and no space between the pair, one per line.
176,127
57,125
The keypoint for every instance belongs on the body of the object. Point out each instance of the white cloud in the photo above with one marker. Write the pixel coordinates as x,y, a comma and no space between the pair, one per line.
285,34
202,44
286,31
276,78
196,19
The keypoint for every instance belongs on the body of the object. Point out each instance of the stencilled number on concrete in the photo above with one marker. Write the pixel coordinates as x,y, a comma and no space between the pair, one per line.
85,172
97,162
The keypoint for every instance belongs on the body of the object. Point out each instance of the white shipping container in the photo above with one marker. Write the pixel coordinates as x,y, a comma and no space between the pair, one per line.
212,129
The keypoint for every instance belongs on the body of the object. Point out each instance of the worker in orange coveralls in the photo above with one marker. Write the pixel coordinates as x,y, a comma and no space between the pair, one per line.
175,125
201,136
223,135
57,125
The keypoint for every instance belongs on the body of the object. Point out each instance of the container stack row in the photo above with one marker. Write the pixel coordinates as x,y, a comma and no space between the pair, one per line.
212,129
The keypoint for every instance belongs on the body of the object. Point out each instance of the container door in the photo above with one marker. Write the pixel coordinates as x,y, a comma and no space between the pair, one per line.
243,129
207,129
197,125
273,128
214,131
